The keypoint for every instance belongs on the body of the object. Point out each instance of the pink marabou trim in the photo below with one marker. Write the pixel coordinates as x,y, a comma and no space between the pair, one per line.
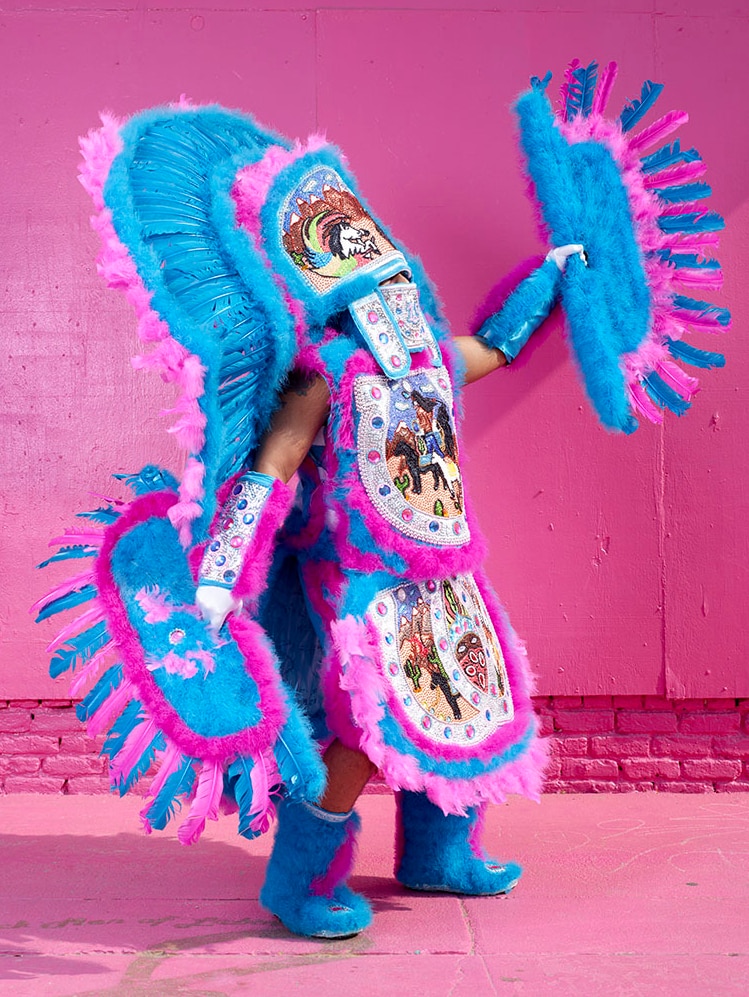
340,867
254,575
249,636
356,646
253,182
205,803
173,362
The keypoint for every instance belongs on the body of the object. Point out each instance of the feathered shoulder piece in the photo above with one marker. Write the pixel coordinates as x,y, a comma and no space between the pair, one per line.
638,207
164,188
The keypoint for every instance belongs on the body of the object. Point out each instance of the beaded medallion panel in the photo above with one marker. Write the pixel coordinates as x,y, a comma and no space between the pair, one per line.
441,654
408,455
327,233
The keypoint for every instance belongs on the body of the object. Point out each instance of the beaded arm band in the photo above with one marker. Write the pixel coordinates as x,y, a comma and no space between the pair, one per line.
256,507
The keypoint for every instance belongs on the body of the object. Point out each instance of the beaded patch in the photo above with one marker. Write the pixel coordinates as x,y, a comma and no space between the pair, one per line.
442,657
227,548
403,302
408,455
328,234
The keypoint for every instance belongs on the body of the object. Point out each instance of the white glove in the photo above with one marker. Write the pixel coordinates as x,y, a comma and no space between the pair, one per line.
561,253
215,604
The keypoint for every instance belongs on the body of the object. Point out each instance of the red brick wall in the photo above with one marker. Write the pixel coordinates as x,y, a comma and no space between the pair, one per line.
600,744
606,744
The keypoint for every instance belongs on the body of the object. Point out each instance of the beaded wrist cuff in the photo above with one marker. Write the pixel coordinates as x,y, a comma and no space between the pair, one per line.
237,524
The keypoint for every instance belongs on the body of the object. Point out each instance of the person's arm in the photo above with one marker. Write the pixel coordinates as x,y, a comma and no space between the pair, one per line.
505,333
294,426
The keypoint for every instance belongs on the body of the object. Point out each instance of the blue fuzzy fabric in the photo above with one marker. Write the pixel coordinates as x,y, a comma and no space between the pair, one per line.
525,309
584,201
303,850
437,854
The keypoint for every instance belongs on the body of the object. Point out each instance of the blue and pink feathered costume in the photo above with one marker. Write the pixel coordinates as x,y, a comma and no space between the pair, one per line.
367,616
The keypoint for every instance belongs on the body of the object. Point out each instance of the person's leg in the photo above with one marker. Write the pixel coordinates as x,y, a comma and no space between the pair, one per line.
313,853
349,771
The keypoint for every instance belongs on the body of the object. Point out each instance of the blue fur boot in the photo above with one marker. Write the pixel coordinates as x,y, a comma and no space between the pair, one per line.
442,852
304,884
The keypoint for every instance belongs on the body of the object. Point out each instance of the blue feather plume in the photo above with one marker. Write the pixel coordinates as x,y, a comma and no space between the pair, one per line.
240,780
721,315
125,723
683,192
663,395
69,553
706,359
104,514
689,260
668,155
103,689
69,601
150,479
694,221
79,650
635,110
580,90
179,784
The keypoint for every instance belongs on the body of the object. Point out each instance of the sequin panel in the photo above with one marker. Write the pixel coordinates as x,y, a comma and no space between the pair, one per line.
443,659
408,455
236,527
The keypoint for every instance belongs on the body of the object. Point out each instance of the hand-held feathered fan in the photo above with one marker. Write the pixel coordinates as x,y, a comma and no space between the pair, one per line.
642,218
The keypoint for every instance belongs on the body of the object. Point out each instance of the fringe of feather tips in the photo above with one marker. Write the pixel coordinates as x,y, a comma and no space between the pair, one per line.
673,227
134,745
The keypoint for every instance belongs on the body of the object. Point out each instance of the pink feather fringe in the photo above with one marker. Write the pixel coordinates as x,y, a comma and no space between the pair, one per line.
603,90
71,584
205,805
78,625
92,669
110,708
129,754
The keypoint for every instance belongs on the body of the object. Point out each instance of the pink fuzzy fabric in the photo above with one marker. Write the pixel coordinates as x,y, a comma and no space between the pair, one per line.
253,182
476,836
175,364
340,867
249,636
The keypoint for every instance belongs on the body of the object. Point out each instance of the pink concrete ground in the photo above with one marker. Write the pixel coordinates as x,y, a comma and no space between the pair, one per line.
633,894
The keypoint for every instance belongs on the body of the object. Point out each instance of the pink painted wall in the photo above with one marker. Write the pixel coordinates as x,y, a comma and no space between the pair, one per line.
622,561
